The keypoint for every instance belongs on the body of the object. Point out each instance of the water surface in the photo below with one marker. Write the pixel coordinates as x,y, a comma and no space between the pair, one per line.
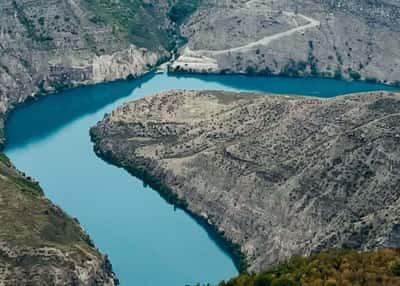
148,242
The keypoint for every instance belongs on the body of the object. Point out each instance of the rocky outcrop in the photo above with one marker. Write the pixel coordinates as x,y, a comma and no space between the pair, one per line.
277,175
39,243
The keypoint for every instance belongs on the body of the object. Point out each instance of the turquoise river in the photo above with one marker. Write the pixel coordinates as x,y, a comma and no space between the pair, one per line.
148,241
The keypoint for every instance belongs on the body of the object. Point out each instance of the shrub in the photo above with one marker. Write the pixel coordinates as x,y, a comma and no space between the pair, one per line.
130,77
354,75
371,80
338,73
182,9
263,280
251,70
396,268
41,21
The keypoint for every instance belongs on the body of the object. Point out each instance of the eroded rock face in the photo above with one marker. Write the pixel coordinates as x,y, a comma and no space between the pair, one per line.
279,175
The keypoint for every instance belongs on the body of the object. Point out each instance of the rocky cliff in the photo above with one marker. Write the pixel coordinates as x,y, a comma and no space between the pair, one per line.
277,175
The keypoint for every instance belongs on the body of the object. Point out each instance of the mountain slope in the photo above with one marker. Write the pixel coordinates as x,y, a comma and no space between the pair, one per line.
343,39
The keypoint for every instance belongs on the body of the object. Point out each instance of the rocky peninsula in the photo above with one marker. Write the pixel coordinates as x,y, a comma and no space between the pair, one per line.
276,175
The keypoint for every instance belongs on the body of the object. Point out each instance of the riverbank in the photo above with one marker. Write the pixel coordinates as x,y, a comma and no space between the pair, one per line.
144,174
295,73
296,69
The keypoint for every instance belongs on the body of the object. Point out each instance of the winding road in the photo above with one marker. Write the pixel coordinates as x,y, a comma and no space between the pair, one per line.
266,40
204,59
